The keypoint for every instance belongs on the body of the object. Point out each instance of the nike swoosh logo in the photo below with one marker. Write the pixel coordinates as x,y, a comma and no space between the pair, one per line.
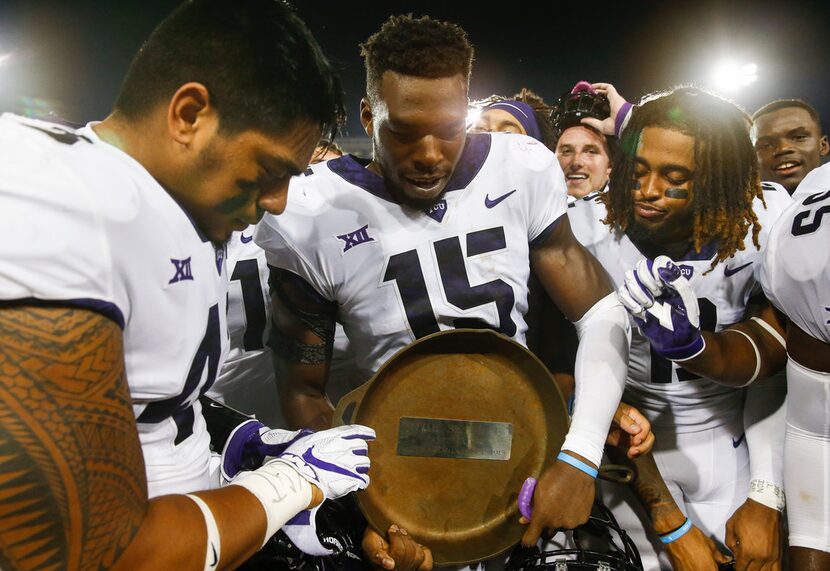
245,239
491,203
736,443
310,458
215,557
727,271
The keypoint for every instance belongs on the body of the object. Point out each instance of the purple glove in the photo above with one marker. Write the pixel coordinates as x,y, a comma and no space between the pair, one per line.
665,308
250,443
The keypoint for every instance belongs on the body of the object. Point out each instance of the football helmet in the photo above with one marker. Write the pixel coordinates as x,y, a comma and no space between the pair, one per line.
340,527
598,545
572,106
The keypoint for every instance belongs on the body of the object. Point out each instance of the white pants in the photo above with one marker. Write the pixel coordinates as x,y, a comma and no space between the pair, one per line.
807,457
706,473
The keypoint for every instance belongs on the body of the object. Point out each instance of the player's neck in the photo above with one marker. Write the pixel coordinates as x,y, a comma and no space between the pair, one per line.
131,138
652,247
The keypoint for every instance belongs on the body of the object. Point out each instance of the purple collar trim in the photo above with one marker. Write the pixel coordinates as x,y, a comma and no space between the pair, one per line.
353,169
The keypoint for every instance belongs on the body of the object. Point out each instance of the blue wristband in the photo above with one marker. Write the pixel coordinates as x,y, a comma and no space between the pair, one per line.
578,464
677,533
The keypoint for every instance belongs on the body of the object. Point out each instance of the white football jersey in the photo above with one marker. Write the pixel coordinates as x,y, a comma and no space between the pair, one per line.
796,270
398,273
815,181
666,393
83,224
247,381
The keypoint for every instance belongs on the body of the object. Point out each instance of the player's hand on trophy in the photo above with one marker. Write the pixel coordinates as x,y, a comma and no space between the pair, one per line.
401,552
630,431
615,102
753,533
250,443
561,499
695,552
335,460
665,308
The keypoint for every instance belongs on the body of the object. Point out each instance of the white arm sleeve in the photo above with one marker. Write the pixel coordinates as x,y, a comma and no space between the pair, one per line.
765,416
600,371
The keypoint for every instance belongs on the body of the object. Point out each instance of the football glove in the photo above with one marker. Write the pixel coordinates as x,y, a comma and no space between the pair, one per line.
664,307
250,443
337,462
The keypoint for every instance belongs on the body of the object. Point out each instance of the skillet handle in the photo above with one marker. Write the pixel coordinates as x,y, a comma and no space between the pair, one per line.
347,407
616,473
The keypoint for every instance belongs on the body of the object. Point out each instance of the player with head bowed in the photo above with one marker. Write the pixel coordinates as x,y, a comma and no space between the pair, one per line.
439,230
796,279
112,319
688,221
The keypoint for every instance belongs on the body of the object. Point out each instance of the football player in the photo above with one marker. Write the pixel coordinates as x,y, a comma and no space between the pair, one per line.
796,278
525,113
686,185
439,230
789,141
246,381
112,319
583,151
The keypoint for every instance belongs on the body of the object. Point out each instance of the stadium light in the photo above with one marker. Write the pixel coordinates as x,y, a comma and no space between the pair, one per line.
731,77
473,113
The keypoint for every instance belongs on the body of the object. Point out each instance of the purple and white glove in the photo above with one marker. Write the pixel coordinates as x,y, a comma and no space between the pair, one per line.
665,308
250,443
337,462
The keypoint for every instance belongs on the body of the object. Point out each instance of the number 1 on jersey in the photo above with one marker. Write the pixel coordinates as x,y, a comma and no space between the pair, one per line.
405,270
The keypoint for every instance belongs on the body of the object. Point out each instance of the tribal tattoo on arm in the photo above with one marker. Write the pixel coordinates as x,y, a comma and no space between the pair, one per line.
302,338
301,317
72,483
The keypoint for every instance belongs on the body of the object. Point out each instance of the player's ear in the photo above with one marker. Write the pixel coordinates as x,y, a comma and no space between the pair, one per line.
823,146
366,116
190,113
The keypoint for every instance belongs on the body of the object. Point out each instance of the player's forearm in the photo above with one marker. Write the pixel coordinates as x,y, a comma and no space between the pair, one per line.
307,411
601,369
737,355
651,491
765,423
168,536
302,394
304,403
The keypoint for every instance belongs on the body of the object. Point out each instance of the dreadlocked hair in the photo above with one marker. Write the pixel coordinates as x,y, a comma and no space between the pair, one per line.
726,176
420,47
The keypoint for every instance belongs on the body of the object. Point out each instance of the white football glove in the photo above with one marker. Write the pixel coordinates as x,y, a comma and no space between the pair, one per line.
337,462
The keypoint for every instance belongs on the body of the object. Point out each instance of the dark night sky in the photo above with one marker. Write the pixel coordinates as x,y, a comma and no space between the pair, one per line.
70,56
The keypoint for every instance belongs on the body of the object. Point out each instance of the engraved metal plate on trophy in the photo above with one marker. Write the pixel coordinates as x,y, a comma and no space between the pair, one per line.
440,438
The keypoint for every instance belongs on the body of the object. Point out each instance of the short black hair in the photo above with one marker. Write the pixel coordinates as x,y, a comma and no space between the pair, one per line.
420,47
258,60
785,104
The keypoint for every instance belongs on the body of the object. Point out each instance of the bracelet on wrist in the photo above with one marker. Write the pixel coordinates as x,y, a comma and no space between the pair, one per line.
677,533
578,464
